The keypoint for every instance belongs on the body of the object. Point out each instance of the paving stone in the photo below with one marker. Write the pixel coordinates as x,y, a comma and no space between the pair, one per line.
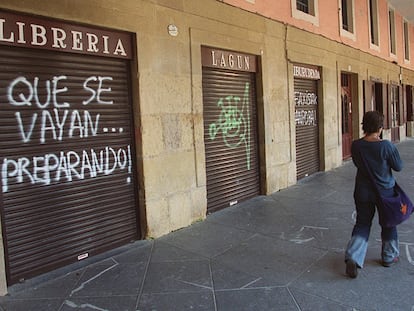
269,299
180,276
177,302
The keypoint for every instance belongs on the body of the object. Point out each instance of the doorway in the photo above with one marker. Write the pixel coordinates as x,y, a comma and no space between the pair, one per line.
346,104
395,113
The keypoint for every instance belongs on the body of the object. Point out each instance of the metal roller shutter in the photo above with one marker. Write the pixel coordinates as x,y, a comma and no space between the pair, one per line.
230,135
307,128
66,138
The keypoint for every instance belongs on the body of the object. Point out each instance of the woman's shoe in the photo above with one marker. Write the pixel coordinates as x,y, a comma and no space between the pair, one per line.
390,263
351,268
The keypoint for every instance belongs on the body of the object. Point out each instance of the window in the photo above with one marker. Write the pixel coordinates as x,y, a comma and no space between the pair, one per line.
304,6
347,18
406,41
306,10
347,15
391,21
373,23
395,107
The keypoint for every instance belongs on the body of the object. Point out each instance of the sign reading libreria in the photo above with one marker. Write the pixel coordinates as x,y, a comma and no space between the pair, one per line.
29,31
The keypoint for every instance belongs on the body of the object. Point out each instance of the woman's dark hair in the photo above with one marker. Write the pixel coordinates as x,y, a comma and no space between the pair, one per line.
372,122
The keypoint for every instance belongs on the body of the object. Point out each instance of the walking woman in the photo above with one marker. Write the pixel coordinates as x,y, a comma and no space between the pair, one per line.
382,157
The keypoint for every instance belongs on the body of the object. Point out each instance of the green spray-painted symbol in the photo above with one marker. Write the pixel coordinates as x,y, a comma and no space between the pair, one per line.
234,122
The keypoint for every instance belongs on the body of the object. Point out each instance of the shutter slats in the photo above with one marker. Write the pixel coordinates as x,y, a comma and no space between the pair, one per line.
83,200
307,136
230,135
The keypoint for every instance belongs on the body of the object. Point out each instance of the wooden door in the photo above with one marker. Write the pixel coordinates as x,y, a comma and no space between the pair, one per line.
346,102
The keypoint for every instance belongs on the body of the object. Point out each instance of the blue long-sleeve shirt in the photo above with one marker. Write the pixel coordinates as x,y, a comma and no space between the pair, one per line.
381,156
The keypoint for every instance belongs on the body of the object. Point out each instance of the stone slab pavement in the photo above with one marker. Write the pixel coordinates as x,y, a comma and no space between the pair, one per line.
278,252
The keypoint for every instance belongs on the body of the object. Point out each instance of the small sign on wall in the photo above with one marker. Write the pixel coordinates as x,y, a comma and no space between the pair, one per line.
228,59
306,72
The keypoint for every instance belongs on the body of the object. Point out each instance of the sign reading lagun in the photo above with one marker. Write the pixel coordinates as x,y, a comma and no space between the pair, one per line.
65,166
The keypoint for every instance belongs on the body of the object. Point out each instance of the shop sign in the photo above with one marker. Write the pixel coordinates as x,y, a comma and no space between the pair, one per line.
375,79
28,31
228,60
306,72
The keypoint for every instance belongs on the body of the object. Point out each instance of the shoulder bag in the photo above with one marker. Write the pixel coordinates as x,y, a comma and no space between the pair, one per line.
391,210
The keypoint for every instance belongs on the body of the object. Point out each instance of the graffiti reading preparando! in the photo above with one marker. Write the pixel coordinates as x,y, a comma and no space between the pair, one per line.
54,120
234,122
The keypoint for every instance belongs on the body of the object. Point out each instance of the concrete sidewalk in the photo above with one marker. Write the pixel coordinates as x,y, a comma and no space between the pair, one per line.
278,252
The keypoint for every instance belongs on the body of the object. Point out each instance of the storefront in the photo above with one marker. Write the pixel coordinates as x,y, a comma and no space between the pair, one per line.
306,119
387,98
67,143
230,127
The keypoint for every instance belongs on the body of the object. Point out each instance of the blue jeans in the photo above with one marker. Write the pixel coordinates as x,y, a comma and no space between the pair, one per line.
357,246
